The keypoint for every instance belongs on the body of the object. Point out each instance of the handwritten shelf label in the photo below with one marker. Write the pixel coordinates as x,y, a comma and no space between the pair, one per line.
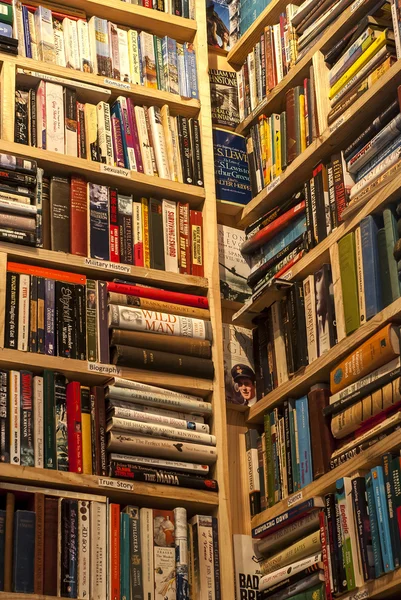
122,85
116,484
294,499
355,5
95,367
272,185
337,124
119,171
108,266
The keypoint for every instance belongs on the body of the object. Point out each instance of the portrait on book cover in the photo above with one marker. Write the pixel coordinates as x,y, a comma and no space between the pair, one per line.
239,374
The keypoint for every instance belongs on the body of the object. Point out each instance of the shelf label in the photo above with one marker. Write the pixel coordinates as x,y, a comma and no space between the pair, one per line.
337,124
116,484
355,5
273,184
294,499
121,85
108,266
95,367
119,171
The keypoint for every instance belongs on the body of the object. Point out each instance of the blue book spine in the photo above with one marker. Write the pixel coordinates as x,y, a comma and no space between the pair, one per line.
276,472
27,36
69,549
172,82
282,239
371,270
99,221
304,446
294,451
390,496
382,518
2,546
124,556
117,113
378,158
7,30
374,529
50,313
297,511
24,552
190,70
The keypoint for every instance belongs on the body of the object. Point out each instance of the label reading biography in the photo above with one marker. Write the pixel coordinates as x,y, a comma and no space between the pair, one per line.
118,171
294,499
272,185
121,85
95,367
109,266
116,484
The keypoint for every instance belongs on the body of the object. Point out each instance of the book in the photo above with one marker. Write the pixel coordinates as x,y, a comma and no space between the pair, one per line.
286,518
23,552
233,269
247,570
224,97
239,375
230,162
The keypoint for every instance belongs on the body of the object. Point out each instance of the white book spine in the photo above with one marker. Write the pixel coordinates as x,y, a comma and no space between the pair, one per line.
98,555
161,412
176,149
310,317
396,28
156,463
158,430
18,27
206,561
84,549
192,12
32,33
159,142
15,457
23,312
92,43
279,345
277,52
146,528
38,416
359,275
169,421
181,551
114,50
376,171
165,117
269,580
133,49
137,223
252,80
71,44
170,236
125,69
144,140
147,54
85,58
159,400
390,422
119,382
54,117
59,46
45,35
105,141
240,84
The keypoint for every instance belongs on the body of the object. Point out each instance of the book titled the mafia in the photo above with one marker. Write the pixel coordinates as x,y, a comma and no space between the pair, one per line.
231,167
224,97
239,375
233,269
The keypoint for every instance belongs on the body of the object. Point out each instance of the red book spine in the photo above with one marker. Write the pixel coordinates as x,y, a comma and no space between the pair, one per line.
325,556
290,264
283,24
74,427
78,216
196,232
100,411
156,294
147,3
183,232
114,232
114,551
269,61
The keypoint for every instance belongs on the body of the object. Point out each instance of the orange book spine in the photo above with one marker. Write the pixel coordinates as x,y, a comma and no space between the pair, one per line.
196,233
47,273
378,350
114,555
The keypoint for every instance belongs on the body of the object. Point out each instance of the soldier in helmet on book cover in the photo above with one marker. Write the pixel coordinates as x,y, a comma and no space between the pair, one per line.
244,384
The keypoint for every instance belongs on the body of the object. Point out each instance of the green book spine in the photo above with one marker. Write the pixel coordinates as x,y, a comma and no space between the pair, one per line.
49,418
384,268
390,228
294,450
91,328
315,593
125,556
157,43
349,284
269,461
283,139
6,13
345,524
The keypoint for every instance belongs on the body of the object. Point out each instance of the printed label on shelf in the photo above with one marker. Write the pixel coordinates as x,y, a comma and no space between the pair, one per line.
121,85
337,124
109,266
119,171
95,367
356,5
294,499
273,184
116,484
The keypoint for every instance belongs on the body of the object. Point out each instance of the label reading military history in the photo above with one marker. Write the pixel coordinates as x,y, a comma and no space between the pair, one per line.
116,484
121,85
103,369
294,499
119,171
109,266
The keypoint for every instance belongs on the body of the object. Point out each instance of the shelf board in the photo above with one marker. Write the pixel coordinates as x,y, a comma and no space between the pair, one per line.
79,370
78,264
131,181
341,132
139,93
146,494
319,369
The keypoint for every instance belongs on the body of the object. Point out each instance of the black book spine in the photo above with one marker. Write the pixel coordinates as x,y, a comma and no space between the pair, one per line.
332,196
103,328
4,419
60,399
363,527
33,317
65,319
216,556
263,357
302,348
255,277
26,419
41,316
132,471
33,118
338,548
69,549
95,469
196,152
12,296
21,123
101,419
392,510
287,434
80,323
331,314
320,207
156,234
16,179
252,165
185,147
177,8
332,536
24,552
285,316
17,236
81,132
256,363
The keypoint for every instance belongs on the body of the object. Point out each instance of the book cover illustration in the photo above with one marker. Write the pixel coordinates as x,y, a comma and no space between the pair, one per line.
164,555
239,374
218,24
231,167
233,268
247,568
224,97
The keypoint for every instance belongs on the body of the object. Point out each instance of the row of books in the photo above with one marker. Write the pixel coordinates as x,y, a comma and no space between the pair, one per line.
63,543
101,47
180,8
148,140
276,141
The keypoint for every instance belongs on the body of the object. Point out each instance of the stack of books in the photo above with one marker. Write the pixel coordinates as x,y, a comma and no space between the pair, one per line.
61,543
361,58
292,553
276,141
51,116
101,47
8,43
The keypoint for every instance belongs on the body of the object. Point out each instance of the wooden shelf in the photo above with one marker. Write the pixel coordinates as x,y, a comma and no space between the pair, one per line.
146,494
319,369
139,93
340,133
78,264
80,370
134,182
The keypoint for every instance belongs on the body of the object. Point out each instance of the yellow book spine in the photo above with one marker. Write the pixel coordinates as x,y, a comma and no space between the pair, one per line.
91,131
268,153
272,147
302,121
133,51
358,64
86,430
262,135
277,144
145,232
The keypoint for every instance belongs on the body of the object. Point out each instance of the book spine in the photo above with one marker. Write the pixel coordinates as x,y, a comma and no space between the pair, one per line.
65,320
15,418
23,552
382,518
23,312
114,551
26,420
84,549
69,548
102,325
390,496
4,418
60,422
125,556
146,527
196,237
98,565
74,427
91,327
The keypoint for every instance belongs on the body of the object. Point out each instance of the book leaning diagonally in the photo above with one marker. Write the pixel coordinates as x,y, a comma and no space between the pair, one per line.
124,411
302,548
157,430
290,533
267,581
160,463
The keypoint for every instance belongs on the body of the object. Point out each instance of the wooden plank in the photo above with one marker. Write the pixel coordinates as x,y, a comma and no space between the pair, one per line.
238,472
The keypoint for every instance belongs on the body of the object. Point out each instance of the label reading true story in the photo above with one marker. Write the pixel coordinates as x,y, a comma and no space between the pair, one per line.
108,266
95,367
116,484
118,171
294,499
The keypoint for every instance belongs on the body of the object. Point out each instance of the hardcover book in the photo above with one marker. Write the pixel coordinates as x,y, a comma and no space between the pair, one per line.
224,97
239,374
247,569
233,269
231,167
218,24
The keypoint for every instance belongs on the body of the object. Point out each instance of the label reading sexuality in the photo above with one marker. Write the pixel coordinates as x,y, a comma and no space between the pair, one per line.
119,171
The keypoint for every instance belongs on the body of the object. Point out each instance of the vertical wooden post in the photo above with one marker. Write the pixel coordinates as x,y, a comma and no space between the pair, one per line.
321,75
7,103
338,292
